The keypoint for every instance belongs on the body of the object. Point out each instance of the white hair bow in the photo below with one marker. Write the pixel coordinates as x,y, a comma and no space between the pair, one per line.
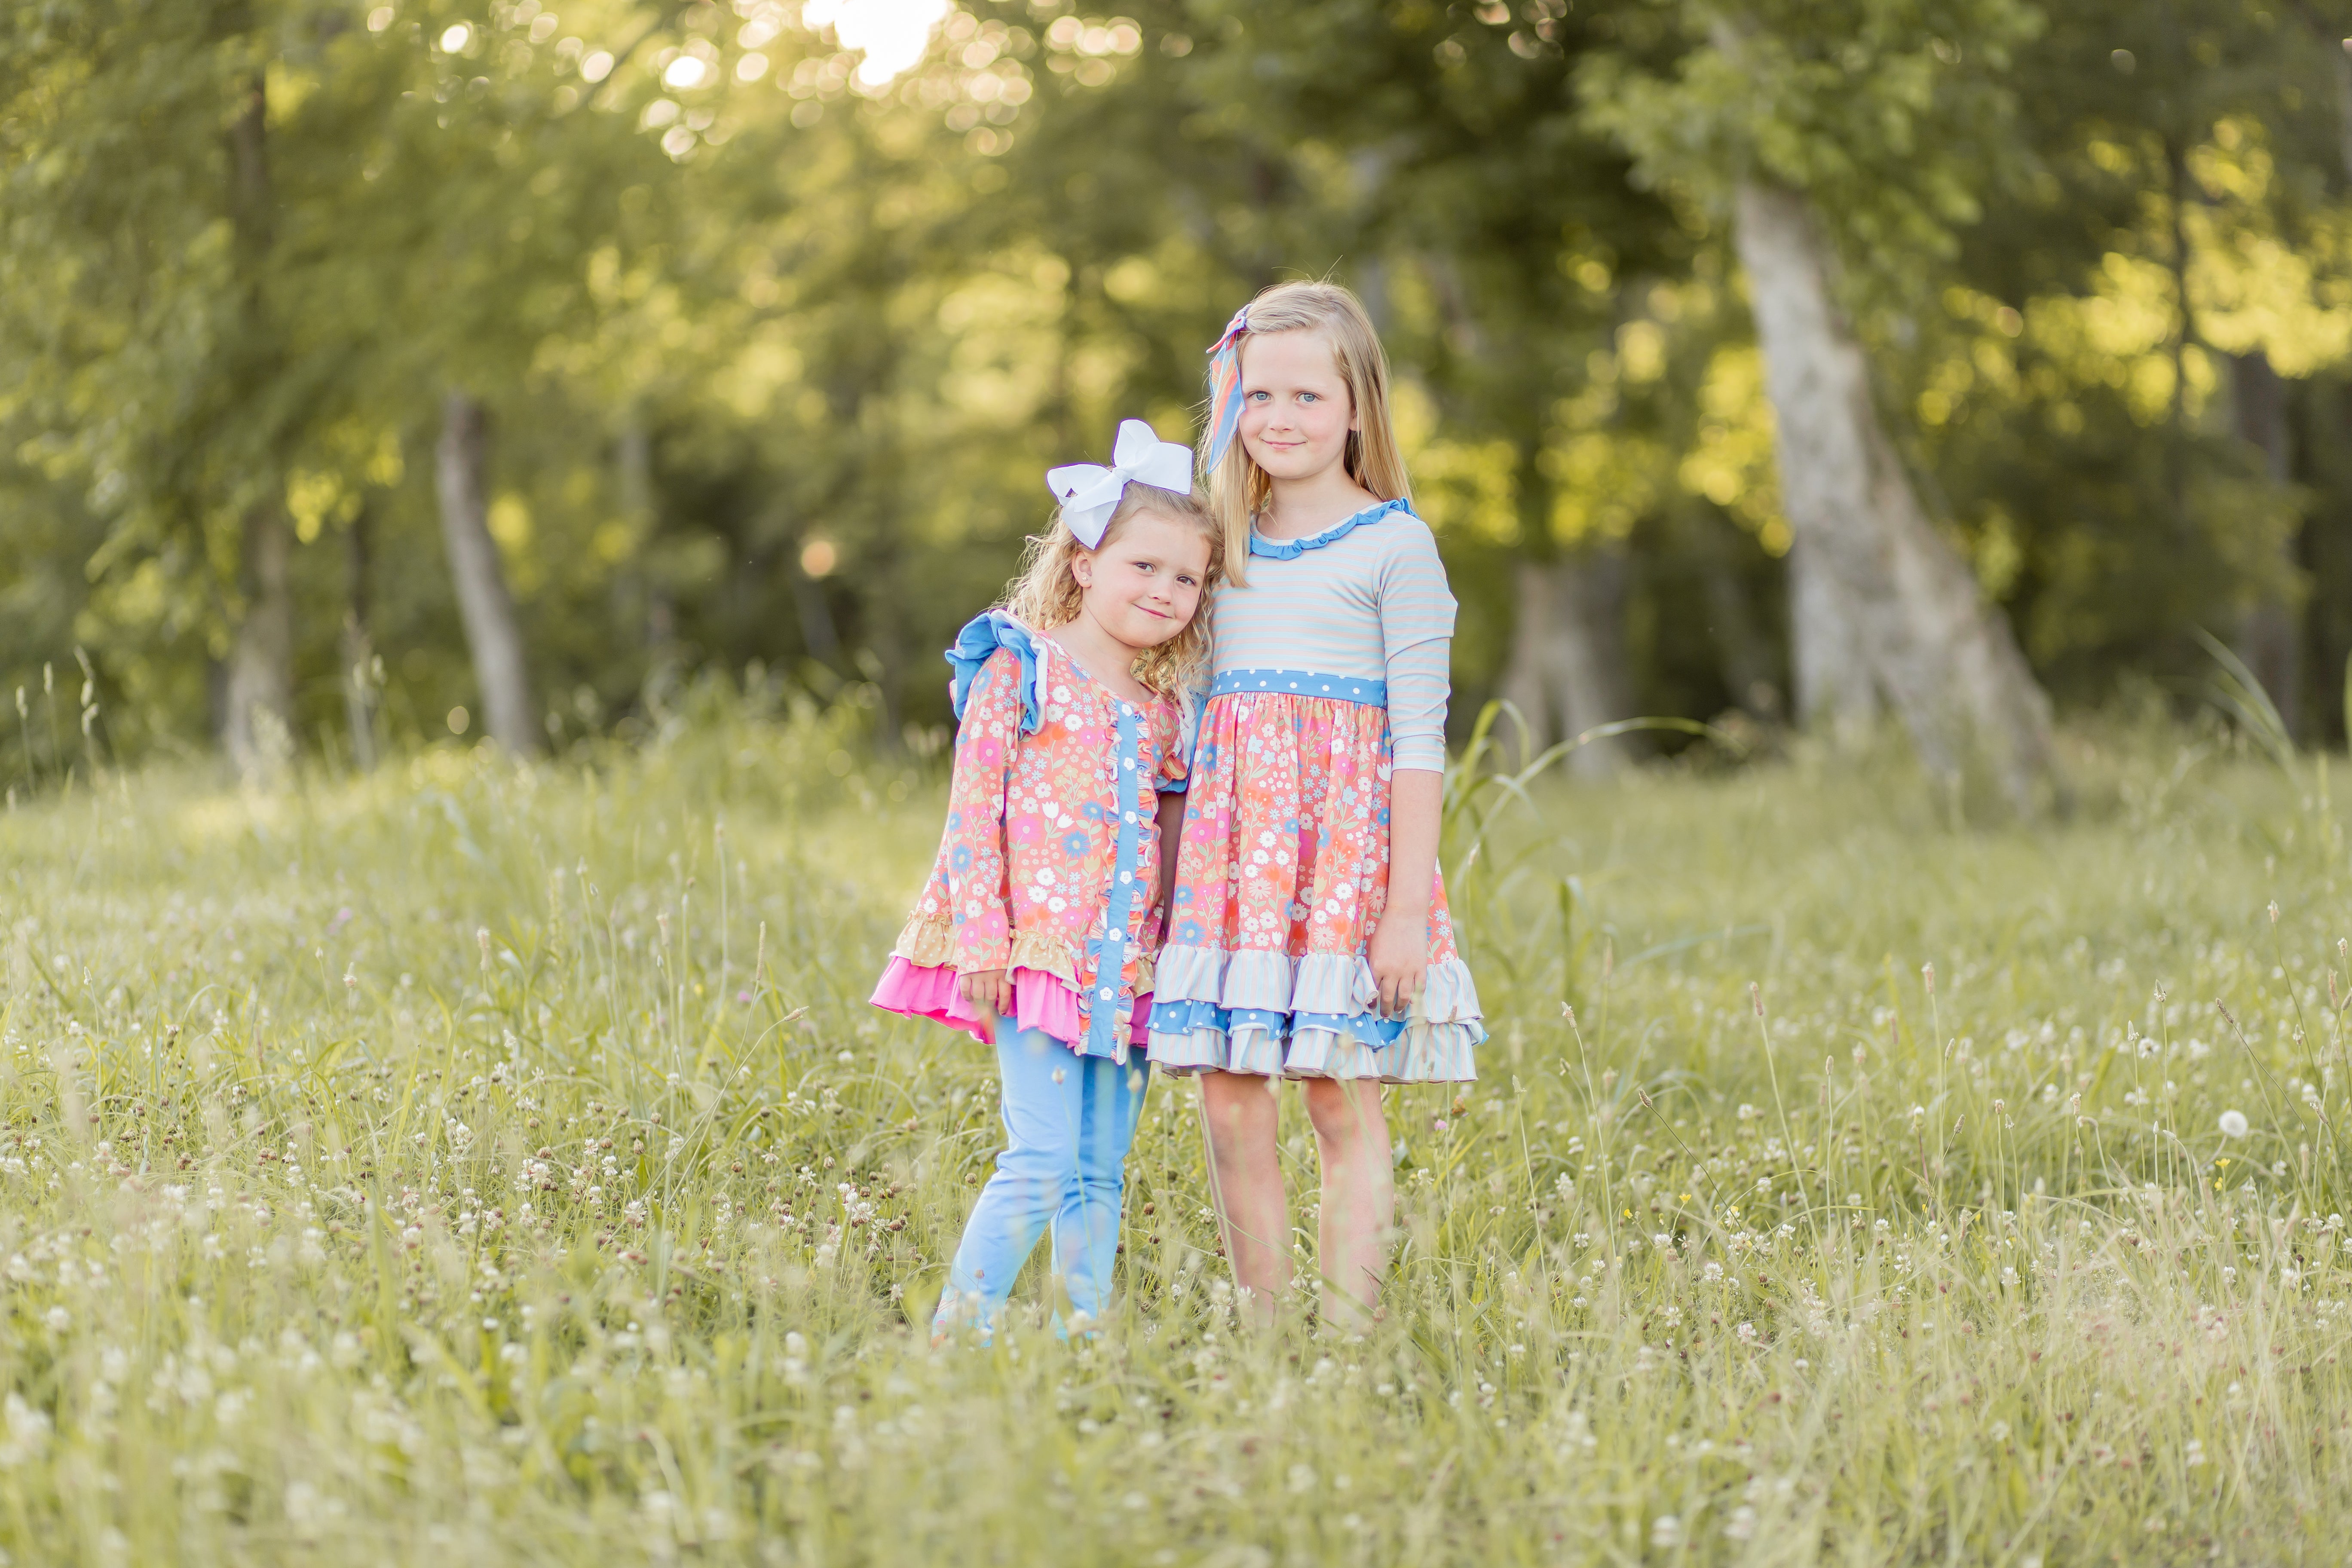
1090,493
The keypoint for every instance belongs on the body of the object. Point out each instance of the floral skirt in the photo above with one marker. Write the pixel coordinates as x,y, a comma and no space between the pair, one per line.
1280,881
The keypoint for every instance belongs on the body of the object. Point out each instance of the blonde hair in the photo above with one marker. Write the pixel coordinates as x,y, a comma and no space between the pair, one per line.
1238,488
1046,595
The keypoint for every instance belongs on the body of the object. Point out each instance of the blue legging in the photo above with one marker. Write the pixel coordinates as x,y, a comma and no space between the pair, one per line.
1069,1120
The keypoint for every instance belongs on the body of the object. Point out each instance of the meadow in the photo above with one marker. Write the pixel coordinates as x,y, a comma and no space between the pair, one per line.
479,1163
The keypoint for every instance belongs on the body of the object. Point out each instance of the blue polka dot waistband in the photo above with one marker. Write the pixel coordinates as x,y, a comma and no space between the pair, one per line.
1299,683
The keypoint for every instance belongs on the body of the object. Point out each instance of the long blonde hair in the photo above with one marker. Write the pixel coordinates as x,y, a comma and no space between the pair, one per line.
1046,595
1238,488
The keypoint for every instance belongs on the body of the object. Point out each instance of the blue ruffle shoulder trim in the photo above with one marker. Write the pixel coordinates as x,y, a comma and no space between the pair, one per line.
1292,549
982,636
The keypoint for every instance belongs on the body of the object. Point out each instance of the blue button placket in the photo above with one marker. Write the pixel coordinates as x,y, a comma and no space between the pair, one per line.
1105,1028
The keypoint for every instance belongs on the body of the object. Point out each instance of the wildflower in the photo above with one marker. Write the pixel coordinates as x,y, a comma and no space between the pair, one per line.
27,1432
1666,1530
2234,1124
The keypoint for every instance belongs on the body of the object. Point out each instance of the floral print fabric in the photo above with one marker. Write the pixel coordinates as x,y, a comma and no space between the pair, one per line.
1030,852
1298,860
1281,880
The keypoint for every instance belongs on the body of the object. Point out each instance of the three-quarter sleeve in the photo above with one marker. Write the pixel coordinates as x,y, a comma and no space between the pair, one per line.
979,890
1416,610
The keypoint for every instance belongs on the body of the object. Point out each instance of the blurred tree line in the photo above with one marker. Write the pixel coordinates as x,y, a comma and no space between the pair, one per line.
376,372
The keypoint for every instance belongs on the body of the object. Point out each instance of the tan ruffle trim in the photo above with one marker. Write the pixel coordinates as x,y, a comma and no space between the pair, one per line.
929,942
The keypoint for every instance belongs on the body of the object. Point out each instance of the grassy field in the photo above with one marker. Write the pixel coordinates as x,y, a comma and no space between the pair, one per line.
468,1163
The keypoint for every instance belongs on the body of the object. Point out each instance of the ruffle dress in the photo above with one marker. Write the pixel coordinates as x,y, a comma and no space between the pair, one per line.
1282,876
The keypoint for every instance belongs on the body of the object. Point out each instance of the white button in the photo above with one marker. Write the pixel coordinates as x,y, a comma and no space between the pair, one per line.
1105,996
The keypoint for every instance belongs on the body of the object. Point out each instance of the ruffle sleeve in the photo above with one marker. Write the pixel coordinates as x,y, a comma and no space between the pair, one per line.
983,637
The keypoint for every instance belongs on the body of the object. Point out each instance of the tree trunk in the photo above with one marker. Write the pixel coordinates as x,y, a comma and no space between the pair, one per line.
359,648
2341,58
1564,676
1945,662
2270,638
255,727
491,634
635,456
1746,656
1834,693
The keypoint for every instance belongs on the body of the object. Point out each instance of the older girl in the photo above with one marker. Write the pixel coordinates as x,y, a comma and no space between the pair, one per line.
1308,935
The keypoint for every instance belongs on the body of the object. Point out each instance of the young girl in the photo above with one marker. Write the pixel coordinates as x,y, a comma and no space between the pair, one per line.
1036,929
1308,935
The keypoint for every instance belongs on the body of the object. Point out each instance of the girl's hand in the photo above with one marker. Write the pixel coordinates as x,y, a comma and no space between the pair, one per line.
990,993
1400,960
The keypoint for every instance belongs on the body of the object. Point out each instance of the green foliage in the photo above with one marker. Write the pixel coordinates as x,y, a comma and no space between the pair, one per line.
1892,114
477,1162
845,321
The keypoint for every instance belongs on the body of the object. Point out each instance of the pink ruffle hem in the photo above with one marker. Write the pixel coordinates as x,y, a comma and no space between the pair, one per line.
1040,1001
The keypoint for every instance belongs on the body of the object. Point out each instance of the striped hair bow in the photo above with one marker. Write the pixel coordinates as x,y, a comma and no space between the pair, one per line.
1225,387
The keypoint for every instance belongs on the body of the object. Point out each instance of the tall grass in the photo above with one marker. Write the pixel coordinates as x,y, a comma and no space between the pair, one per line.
469,1162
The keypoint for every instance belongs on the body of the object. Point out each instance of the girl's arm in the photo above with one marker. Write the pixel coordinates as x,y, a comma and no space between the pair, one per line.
988,742
1400,949
1416,637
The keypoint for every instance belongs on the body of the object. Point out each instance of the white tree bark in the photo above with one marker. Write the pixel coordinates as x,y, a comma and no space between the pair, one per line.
1835,696
1565,674
1944,660
491,633
257,729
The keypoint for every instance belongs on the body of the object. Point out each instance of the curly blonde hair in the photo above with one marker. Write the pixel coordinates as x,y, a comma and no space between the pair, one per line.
1238,488
1046,595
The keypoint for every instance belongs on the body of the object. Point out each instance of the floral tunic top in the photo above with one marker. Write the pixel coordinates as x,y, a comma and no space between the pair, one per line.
1050,860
